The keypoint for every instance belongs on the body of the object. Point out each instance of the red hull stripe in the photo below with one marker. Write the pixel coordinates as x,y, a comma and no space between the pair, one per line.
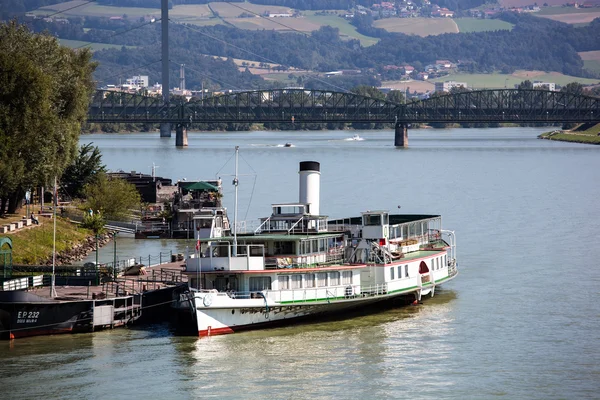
38,332
215,331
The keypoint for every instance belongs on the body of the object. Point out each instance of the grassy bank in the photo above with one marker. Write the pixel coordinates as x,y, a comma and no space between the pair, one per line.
33,245
589,136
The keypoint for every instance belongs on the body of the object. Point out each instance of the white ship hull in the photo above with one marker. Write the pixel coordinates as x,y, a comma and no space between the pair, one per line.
218,313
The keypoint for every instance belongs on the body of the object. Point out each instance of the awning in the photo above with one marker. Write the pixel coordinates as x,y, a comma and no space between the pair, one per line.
205,186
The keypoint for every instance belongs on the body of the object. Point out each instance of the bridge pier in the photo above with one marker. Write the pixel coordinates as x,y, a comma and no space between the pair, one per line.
181,138
165,129
401,135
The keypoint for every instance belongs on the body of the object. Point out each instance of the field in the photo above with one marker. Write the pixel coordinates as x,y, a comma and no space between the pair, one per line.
492,81
419,86
544,11
574,18
481,25
94,46
94,10
418,26
278,24
233,10
347,30
592,65
591,60
522,3
570,15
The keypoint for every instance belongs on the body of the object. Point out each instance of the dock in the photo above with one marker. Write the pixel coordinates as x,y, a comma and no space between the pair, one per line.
79,307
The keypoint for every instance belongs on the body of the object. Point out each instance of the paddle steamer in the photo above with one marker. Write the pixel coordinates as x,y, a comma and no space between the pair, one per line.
300,264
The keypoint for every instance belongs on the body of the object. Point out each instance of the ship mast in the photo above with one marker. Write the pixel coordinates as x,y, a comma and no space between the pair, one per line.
235,207
55,203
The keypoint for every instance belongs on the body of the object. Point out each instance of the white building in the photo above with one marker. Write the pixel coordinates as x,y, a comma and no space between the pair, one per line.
139,81
448,85
551,86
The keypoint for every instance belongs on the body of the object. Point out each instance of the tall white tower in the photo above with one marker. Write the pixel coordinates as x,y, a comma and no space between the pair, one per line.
310,185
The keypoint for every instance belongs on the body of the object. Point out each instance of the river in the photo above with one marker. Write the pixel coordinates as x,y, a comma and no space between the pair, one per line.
522,319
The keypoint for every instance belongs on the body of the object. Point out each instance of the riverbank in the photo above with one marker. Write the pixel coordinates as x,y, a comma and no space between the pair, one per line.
34,244
587,133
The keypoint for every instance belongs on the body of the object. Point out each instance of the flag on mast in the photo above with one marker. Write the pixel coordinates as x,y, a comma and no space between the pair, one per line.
198,245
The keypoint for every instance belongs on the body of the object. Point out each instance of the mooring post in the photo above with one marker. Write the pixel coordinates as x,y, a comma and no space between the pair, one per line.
181,138
401,135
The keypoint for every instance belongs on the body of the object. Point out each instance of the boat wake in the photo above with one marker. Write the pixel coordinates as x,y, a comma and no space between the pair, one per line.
272,145
354,138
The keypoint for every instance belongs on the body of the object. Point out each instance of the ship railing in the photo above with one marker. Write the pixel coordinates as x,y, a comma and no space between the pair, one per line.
303,295
331,257
452,270
325,293
450,237
152,226
121,287
23,283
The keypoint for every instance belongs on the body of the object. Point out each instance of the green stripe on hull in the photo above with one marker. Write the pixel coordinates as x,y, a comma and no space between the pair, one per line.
397,291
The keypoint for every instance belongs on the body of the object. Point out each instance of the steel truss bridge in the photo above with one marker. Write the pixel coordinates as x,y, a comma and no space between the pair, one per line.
318,106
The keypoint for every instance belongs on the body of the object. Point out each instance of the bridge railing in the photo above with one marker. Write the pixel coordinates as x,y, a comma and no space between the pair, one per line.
299,105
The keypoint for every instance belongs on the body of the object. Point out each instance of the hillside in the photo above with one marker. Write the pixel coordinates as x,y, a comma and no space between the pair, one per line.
128,43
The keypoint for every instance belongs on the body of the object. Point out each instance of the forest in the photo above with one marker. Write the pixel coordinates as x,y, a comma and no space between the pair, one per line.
533,44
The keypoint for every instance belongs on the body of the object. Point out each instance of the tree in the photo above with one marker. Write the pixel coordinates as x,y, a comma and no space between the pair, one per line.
113,198
84,170
368,91
525,85
575,88
396,96
44,96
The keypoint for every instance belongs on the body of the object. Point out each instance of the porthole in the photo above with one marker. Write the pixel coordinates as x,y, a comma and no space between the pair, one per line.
233,311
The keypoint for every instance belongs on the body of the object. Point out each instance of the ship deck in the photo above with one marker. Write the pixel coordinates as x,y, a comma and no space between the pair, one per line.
156,277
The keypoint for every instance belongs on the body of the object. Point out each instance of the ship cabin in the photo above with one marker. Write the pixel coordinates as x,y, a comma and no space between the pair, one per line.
289,239
400,251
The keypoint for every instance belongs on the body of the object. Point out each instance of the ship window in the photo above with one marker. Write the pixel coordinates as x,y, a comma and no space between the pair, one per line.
258,283
445,262
284,282
296,281
314,246
399,271
372,220
304,247
404,231
321,279
322,244
412,229
334,278
406,271
347,277
392,273
386,219
309,279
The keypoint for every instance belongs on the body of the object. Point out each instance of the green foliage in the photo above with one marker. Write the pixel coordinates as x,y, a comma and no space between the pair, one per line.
525,85
34,246
112,198
94,221
481,25
44,96
396,96
575,88
368,91
84,170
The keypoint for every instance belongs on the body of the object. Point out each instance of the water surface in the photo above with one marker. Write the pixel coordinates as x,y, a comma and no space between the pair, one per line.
520,321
